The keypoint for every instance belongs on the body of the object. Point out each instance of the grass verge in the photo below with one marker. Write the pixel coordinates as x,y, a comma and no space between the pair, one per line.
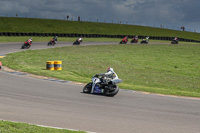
14,127
166,69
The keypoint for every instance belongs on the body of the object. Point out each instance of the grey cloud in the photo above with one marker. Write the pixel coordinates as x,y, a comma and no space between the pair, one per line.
168,12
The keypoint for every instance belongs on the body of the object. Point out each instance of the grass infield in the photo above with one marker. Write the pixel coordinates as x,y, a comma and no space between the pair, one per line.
13,127
158,68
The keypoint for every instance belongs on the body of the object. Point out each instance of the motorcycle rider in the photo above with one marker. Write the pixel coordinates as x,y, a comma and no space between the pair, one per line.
135,38
109,75
80,39
125,39
30,41
147,39
176,39
55,39
106,77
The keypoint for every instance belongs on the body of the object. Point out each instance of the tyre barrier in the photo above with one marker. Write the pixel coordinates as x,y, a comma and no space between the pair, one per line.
50,65
57,65
89,36
0,65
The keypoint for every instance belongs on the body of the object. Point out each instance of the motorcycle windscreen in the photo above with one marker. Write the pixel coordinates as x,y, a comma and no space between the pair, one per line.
116,81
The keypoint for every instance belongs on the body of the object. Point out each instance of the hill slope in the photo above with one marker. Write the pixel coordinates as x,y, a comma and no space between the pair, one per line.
62,26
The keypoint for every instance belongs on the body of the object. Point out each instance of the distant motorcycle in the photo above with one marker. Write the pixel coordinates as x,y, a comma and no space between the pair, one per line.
145,41
108,89
174,42
77,42
26,45
134,40
123,41
51,42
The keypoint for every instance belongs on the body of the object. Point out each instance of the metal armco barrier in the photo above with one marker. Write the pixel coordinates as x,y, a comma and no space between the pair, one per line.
57,65
50,65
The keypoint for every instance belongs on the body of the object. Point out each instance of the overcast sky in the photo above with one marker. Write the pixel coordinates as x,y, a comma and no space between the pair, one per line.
166,13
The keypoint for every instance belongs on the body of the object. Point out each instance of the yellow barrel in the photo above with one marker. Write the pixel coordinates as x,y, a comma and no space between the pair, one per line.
57,65
50,65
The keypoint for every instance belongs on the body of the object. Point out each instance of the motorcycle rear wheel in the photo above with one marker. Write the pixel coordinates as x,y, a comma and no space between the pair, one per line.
112,93
50,43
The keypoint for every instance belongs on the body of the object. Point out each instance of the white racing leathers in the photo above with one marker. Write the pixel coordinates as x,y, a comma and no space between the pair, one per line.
80,39
110,75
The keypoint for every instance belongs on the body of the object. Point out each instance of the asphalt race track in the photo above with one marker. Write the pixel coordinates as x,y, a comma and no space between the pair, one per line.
62,104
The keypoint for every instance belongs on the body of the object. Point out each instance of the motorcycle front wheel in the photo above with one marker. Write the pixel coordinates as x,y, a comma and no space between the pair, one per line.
50,43
23,46
74,43
87,88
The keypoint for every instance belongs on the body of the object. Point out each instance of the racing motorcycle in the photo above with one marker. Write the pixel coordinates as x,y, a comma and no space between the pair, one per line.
174,42
98,87
77,42
123,41
134,40
146,40
26,45
51,42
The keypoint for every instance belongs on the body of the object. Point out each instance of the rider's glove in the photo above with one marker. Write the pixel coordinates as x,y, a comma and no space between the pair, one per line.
97,75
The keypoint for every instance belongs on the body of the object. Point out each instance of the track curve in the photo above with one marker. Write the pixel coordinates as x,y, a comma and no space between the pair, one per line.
62,104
